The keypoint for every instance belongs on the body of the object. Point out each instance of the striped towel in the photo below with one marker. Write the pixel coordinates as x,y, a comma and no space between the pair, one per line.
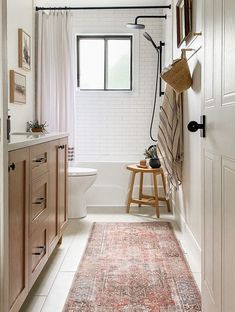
170,136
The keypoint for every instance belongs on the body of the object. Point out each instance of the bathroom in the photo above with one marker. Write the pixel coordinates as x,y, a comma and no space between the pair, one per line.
112,127
88,223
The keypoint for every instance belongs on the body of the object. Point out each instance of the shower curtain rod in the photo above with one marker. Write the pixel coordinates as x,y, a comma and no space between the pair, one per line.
106,8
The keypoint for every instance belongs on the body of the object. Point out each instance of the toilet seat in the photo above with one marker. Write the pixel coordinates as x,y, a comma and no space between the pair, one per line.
81,172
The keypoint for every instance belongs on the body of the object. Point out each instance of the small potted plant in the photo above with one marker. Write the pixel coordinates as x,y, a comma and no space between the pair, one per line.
35,126
151,153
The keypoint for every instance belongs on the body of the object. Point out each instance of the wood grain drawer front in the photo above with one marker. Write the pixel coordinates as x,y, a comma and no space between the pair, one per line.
39,246
39,201
18,227
38,251
39,160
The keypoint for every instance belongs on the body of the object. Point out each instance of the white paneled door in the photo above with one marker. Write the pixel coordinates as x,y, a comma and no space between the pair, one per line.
218,280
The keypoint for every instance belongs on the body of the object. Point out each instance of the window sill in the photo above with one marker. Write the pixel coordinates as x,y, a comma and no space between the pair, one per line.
102,93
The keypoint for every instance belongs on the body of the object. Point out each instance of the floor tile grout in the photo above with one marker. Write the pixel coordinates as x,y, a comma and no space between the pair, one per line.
57,272
85,227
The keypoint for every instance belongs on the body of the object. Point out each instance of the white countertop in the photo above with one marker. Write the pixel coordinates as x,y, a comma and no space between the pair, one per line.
18,141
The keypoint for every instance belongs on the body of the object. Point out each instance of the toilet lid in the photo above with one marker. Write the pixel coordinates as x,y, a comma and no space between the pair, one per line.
78,172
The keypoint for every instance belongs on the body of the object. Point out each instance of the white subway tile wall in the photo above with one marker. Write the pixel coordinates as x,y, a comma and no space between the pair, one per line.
114,126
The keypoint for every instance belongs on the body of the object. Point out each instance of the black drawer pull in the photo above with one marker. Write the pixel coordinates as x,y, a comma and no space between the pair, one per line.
39,201
61,147
11,167
39,253
41,160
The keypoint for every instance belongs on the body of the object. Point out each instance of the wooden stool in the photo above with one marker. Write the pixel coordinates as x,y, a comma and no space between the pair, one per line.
147,199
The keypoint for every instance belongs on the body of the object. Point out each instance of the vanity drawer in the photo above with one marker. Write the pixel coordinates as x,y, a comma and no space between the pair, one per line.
39,160
38,251
39,202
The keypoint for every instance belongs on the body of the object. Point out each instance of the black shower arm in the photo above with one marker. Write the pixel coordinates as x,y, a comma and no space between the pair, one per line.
149,16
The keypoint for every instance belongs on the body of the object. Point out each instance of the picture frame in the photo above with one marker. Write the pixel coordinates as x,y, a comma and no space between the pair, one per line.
17,87
183,20
24,50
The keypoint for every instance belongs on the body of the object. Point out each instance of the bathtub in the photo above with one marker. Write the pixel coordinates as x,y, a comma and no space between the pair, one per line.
112,184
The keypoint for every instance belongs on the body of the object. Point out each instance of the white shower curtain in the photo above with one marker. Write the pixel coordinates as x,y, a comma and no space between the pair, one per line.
55,73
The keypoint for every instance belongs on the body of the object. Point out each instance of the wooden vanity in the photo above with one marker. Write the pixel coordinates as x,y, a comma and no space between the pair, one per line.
37,210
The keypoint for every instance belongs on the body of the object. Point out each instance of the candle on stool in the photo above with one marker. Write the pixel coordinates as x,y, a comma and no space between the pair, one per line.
143,163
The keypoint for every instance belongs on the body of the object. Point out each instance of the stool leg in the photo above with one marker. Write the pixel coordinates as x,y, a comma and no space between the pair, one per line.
141,187
164,186
156,195
130,192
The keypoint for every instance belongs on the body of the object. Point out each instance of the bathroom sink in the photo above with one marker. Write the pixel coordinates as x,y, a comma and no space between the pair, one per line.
28,133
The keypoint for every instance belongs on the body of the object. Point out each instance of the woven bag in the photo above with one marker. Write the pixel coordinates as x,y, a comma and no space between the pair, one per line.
178,75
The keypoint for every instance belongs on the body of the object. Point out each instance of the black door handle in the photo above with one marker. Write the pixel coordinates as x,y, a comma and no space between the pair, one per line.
193,126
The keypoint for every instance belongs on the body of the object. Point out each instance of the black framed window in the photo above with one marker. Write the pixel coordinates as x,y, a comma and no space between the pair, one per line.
104,63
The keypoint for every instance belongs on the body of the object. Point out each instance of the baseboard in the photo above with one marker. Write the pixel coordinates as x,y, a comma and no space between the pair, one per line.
118,208
188,237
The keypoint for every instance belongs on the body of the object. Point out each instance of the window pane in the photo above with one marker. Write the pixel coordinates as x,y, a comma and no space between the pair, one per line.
119,57
91,62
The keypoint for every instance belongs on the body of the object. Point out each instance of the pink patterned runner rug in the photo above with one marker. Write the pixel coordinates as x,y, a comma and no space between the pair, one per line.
133,267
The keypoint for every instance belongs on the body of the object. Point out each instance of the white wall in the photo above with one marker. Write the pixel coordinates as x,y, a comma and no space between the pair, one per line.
98,3
188,199
21,15
3,161
113,126
1,151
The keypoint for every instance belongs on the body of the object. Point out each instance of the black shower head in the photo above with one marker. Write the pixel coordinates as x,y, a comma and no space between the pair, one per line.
136,25
149,38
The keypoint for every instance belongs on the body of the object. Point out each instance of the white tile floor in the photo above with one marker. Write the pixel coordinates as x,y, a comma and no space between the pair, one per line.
52,287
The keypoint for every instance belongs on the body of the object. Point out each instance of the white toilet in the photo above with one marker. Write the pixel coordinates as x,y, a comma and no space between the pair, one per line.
80,180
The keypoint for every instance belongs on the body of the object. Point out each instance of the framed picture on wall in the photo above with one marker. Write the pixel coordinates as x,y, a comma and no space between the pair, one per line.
24,52
17,88
183,20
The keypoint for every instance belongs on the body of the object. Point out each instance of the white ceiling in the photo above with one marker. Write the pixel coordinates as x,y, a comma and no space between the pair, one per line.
100,2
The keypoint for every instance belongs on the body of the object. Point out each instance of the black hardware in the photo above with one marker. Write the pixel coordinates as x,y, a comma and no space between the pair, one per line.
137,25
106,8
162,44
8,127
158,79
149,16
41,160
39,201
193,126
42,250
61,147
11,167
